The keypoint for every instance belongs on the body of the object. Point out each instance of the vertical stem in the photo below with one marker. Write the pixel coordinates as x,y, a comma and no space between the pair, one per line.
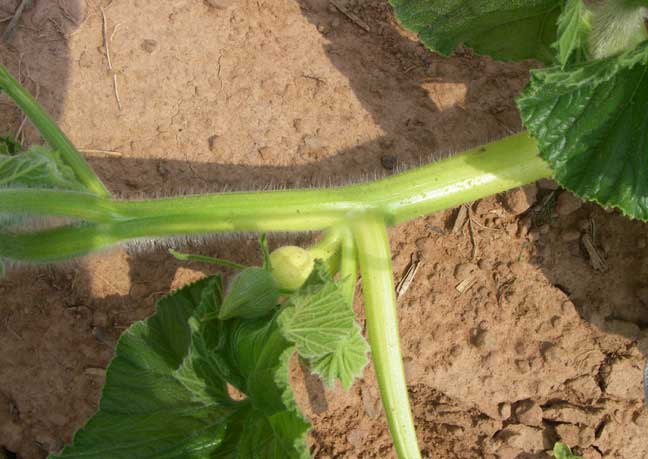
348,265
374,254
51,133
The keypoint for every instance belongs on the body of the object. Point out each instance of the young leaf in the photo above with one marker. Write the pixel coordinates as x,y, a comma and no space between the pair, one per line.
316,320
562,451
321,324
166,390
252,294
503,29
573,32
38,167
590,123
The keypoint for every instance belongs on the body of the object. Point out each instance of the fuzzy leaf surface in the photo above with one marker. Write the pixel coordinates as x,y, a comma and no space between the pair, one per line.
166,392
345,363
37,167
591,124
503,29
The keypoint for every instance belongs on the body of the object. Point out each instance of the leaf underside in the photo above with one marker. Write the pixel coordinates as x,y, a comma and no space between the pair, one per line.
591,124
38,167
503,29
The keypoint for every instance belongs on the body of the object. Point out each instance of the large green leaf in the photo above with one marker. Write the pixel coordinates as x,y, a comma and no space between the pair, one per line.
503,29
591,124
37,167
166,392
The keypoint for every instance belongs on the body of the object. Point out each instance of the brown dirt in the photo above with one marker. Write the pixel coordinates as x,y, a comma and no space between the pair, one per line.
540,346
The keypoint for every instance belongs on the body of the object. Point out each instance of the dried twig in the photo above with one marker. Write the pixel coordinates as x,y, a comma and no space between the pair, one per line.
101,152
351,16
472,235
107,39
465,284
410,272
458,224
116,89
597,260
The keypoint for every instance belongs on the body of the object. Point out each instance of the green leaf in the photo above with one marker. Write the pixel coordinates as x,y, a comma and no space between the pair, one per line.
503,29
321,324
346,363
166,393
252,294
317,319
573,32
591,124
562,451
37,167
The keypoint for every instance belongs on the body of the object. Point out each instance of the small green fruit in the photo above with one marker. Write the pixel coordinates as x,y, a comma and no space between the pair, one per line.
291,266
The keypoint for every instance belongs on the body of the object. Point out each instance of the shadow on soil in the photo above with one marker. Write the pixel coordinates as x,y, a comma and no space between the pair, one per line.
373,63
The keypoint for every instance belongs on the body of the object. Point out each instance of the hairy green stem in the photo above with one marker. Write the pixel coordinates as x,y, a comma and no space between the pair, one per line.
51,132
382,325
474,174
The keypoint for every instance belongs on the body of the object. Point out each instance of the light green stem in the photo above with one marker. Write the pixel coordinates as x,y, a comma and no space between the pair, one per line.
348,265
382,324
476,173
51,132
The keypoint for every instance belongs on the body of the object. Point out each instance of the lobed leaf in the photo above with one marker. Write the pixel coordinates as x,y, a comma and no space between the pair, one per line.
503,29
591,124
345,363
316,320
166,393
321,324
37,167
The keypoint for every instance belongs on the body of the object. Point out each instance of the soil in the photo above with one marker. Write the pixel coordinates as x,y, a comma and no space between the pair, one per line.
522,326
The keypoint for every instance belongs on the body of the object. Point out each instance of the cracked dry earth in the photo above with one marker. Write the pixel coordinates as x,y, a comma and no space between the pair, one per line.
526,321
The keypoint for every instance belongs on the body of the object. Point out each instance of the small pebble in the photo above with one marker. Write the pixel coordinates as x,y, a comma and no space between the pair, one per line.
519,200
567,203
215,143
148,45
